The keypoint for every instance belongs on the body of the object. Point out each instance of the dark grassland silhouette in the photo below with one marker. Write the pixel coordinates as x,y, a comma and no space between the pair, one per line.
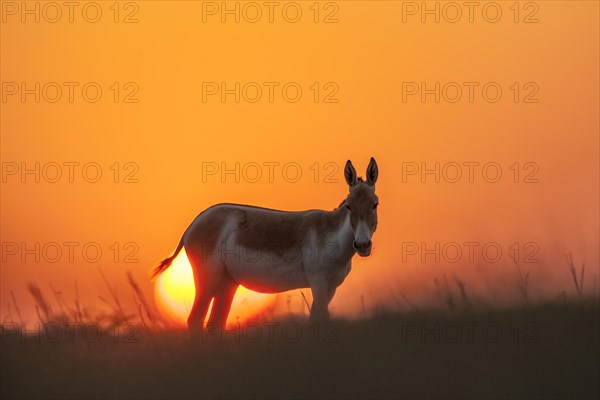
463,348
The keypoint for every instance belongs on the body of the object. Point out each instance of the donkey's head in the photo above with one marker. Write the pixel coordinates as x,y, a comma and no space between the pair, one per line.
362,203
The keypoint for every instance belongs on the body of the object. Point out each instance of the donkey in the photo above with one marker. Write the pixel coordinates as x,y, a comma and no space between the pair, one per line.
272,251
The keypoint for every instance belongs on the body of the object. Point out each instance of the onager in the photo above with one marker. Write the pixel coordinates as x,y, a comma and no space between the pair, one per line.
272,251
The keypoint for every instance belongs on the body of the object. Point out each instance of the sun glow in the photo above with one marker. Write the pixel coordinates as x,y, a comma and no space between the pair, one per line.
174,293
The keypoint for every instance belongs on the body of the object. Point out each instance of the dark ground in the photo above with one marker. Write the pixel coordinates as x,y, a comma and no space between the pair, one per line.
543,351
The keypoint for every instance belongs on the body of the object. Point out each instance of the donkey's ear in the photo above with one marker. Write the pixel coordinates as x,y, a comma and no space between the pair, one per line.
350,173
372,172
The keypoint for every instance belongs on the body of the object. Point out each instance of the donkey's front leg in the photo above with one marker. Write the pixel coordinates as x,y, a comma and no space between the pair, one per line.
319,312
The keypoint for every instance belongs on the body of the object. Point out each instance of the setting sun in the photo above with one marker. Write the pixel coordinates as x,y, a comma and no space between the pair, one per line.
174,294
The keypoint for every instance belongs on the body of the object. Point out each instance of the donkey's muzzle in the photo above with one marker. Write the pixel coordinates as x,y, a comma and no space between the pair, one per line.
362,248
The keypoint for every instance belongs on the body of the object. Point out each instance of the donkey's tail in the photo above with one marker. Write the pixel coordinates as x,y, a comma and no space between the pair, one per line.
164,264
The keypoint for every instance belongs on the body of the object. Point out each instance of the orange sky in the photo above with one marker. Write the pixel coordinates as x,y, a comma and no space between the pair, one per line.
368,56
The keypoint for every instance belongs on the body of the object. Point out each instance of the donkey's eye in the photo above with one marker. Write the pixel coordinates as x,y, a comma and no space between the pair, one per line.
348,207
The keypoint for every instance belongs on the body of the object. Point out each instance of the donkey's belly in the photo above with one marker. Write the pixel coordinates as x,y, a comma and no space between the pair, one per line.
266,272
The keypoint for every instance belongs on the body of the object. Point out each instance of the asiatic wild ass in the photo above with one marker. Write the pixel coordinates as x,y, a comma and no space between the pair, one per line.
273,251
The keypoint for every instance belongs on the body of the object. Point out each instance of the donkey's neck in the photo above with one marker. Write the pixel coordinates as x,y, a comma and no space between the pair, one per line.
341,235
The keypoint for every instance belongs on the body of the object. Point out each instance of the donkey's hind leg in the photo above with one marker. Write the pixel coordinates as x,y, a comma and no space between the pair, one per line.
207,283
196,318
222,303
